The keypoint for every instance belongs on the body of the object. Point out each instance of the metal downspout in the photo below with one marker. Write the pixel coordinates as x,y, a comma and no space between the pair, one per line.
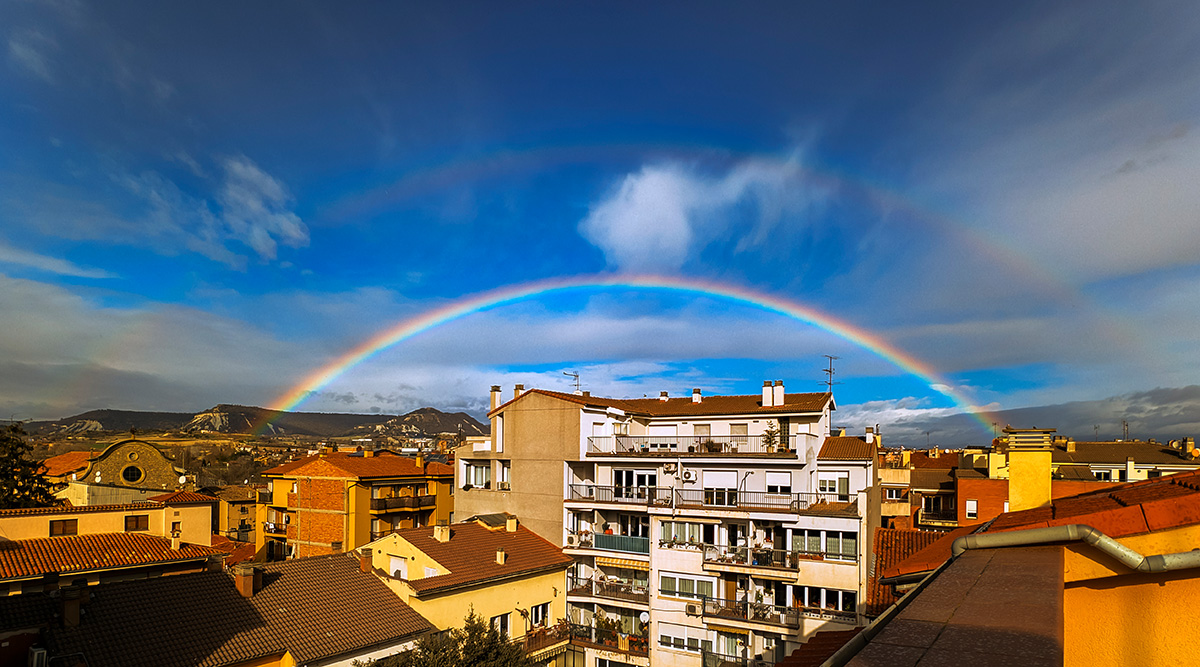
1078,532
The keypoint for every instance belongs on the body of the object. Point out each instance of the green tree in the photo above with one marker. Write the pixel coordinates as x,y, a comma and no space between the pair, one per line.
21,480
476,644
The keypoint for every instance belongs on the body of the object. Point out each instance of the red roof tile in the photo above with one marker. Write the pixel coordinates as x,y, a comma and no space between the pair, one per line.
470,554
361,467
79,509
847,448
929,557
183,498
64,464
685,406
22,559
892,546
238,551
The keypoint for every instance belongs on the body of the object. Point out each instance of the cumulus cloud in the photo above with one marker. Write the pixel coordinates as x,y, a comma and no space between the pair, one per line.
658,218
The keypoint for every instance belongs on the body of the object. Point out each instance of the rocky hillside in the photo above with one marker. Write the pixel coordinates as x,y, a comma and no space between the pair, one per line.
428,422
111,420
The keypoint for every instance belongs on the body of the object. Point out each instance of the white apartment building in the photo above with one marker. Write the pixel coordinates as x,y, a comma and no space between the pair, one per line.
727,526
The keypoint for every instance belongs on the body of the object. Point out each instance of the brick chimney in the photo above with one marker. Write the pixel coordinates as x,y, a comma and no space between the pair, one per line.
662,396
518,390
364,561
176,541
696,395
72,599
441,532
777,400
501,556
510,524
243,578
768,399
495,396
214,563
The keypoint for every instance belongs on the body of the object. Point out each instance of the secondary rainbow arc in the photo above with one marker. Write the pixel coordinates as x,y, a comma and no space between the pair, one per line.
506,295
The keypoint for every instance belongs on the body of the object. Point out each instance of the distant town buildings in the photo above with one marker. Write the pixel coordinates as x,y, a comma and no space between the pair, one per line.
126,471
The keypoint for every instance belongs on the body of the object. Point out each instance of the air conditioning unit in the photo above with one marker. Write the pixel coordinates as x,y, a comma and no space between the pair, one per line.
689,475
670,468
572,540
504,486
692,610
37,657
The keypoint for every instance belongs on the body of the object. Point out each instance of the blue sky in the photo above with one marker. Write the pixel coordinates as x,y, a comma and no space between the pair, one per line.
205,202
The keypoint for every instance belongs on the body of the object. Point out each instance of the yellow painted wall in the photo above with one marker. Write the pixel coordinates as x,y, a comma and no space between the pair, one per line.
196,520
284,660
1135,619
1028,479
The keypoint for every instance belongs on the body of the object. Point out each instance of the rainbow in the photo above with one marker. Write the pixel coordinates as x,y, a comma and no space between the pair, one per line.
409,328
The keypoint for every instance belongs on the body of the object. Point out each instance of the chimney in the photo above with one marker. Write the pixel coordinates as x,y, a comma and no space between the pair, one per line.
364,561
420,462
662,396
215,562
778,400
368,453
518,390
247,578
696,395
441,532
510,525
501,556
1029,459
768,399
176,542
1071,445
870,435
586,394
1129,469
495,396
72,598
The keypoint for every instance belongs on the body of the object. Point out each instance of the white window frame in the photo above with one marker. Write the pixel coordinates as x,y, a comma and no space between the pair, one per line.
972,509
893,495
539,615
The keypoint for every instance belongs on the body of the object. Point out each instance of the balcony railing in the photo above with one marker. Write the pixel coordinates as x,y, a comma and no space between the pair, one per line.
614,590
264,497
715,445
710,659
274,528
937,516
626,543
765,557
403,502
662,496
658,496
585,635
757,612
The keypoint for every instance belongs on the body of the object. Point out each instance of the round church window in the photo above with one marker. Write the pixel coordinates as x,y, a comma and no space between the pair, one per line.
132,474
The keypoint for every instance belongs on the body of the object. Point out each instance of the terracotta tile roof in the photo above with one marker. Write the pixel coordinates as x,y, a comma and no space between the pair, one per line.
818,648
79,509
892,546
932,479
929,557
237,551
23,559
182,498
1126,509
944,460
847,448
65,464
1118,452
470,554
316,608
342,464
234,494
685,407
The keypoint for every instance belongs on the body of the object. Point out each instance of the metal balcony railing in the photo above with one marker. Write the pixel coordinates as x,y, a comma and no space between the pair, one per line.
274,528
745,610
937,516
403,502
662,496
626,543
714,445
658,496
637,592
585,635
766,557
264,497
710,659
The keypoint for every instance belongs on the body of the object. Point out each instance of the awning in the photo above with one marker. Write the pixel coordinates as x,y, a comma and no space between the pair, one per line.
622,562
732,631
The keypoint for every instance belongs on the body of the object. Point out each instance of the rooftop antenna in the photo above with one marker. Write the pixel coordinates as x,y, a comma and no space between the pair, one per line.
1096,429
829,373
575,375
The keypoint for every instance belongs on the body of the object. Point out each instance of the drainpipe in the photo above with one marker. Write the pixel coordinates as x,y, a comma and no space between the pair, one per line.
1079,533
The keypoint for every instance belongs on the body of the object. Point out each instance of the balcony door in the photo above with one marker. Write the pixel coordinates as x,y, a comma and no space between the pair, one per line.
634,484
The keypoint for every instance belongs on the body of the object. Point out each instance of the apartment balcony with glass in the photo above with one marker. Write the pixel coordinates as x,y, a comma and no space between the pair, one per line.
781,446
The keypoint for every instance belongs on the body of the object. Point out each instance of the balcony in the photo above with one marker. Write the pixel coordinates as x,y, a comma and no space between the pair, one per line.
710,659
273,528
264,498
753,612
783,446
767,558
626,543
938,517
720,499
402,502
657,496
637,592
584,635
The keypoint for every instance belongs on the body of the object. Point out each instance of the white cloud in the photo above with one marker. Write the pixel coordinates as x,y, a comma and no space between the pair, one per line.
29,50
659,218
62,267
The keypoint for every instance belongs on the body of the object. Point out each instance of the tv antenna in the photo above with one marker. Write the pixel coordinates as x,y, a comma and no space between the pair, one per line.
828,382
575,375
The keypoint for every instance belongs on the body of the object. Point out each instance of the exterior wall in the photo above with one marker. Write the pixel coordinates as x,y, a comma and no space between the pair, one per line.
1029,477
195,519
991,494
80,493
158,471
232,521
539,434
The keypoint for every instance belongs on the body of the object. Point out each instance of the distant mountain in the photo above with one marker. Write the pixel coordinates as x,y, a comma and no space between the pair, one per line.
242,419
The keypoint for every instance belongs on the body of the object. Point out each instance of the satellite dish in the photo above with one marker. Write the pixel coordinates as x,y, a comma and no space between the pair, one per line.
644,617
183,479
97,477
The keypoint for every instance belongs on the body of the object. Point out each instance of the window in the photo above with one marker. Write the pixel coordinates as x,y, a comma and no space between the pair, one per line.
137,522
64,527
684,638
1006,506
893,494
479,475
1103,475
841,545
501,624
779,482
176,527
972,509
503,469
680,532
739,433
720,487
826,598
132,474
838,483
243,509
684,587
1153,473
539,615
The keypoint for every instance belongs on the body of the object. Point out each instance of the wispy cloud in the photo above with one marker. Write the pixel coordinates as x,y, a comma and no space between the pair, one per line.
30,50
659,217
62,267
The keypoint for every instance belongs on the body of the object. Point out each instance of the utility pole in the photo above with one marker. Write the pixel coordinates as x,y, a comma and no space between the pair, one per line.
829,373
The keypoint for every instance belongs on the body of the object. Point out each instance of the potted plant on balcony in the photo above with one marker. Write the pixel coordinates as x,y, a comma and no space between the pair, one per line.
770,437
711,446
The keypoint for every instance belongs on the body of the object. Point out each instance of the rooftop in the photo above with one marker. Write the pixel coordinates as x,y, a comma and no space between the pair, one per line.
847,448
26,559
355,465
183,498
316,608
65,464
470,554
892,546
686,407
79,509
